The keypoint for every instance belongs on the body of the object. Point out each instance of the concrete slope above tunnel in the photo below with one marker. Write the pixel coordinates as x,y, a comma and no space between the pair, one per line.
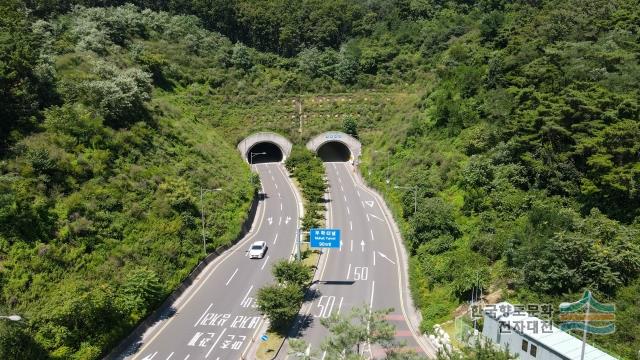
335,146
265,147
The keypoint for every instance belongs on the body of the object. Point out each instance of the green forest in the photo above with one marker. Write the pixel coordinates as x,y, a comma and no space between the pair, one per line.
518,122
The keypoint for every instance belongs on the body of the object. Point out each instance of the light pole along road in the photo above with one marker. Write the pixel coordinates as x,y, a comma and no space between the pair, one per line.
217,317
366,270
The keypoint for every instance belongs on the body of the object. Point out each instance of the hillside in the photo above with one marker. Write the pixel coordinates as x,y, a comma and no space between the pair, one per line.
518,122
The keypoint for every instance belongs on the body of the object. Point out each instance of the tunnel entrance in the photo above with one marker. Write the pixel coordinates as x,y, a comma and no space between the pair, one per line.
334,151
264,152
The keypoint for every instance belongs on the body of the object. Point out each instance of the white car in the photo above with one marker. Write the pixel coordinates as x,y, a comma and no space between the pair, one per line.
257,250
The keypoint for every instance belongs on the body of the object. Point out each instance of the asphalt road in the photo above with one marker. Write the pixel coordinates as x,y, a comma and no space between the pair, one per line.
367,269
217,317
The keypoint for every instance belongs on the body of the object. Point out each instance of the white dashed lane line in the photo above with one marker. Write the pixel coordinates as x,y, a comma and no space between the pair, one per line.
234,274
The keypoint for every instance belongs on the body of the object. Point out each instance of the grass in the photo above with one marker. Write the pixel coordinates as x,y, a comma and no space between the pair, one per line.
267,350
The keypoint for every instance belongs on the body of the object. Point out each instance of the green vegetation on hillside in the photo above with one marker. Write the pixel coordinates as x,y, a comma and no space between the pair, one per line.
519,121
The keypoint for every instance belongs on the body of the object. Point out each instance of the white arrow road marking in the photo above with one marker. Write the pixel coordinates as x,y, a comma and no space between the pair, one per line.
386,257
286,221
228,281
150,356
379,218
369,202
362,244
270,220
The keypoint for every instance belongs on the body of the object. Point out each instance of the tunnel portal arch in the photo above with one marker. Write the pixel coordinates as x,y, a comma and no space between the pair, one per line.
319,144
276,147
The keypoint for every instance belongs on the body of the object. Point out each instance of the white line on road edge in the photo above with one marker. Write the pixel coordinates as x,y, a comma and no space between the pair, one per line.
275,240
348,271
203,314
228,281
216,343
373,288
264,263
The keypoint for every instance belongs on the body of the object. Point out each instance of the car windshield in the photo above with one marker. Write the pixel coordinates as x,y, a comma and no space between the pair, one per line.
256,247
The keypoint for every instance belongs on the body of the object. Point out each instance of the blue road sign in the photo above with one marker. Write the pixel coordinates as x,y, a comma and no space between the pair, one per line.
264,338
324,238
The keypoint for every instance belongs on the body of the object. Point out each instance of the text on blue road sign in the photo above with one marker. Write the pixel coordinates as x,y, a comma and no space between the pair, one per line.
324,238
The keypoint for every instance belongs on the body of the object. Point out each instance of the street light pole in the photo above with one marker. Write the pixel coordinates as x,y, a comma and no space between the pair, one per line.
415,195
204,237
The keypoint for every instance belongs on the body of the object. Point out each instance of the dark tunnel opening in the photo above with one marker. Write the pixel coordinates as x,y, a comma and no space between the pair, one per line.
334,151
264,152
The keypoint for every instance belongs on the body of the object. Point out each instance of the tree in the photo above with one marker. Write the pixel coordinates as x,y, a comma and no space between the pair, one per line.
17,344
241,57
433,220
292,272
349,333
480,351
23,88
280,304
350,126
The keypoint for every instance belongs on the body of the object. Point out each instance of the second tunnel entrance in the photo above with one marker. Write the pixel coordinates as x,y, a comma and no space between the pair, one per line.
334,151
